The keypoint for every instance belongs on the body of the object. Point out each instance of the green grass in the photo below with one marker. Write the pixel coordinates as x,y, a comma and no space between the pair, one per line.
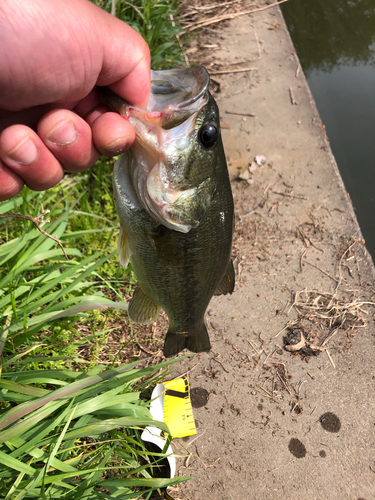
69,427
37,284
49,448
64,431
64,440
155,20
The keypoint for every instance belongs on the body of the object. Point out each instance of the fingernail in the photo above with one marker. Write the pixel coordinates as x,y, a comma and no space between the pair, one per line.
25,152
63,134
117,146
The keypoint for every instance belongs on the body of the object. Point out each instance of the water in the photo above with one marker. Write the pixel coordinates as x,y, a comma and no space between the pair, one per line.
335,42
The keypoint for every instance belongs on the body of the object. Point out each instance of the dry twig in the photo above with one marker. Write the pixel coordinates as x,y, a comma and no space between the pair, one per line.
227,71
330,358
289,195
292,100
238,113
288,325
37,220
147,351
225,17
318,268
326,307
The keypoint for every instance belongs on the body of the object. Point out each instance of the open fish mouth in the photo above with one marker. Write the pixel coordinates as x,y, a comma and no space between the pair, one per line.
164,133
177,94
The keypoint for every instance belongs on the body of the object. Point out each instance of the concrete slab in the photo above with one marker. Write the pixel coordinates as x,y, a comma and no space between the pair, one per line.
280,424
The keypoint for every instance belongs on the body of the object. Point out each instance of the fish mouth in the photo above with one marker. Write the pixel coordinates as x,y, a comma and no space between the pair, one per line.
177,94
163,132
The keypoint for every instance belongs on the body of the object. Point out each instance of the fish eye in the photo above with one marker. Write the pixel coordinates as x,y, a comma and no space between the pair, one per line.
208,135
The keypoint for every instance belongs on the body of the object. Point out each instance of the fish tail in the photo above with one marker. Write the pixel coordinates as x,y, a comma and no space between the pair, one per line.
176,342
199,342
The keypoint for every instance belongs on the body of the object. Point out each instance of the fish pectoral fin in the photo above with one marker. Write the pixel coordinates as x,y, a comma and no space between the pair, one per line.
123,247
142,309
166,248
227,283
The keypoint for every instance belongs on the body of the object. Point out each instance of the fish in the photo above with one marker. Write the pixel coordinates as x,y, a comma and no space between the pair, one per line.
173,196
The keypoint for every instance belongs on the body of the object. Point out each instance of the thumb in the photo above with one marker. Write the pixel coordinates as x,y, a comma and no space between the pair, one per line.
126,60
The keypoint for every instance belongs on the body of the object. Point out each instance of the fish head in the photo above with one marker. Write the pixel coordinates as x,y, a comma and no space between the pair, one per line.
176,154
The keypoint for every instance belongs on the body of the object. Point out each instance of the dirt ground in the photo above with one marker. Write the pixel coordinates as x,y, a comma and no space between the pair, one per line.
283,421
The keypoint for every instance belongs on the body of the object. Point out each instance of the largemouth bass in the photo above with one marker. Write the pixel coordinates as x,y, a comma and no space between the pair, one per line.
174,200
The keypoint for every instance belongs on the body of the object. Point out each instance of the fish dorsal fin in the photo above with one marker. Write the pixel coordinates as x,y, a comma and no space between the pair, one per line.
123,247
166,248
227,283
142,309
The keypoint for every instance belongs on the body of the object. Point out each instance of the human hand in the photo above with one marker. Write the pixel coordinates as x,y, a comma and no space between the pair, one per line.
53,55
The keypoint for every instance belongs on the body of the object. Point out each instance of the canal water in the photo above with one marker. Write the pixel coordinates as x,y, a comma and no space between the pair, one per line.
335,42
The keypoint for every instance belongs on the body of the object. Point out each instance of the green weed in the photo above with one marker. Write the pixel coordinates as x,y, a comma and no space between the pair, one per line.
155,20
67,439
